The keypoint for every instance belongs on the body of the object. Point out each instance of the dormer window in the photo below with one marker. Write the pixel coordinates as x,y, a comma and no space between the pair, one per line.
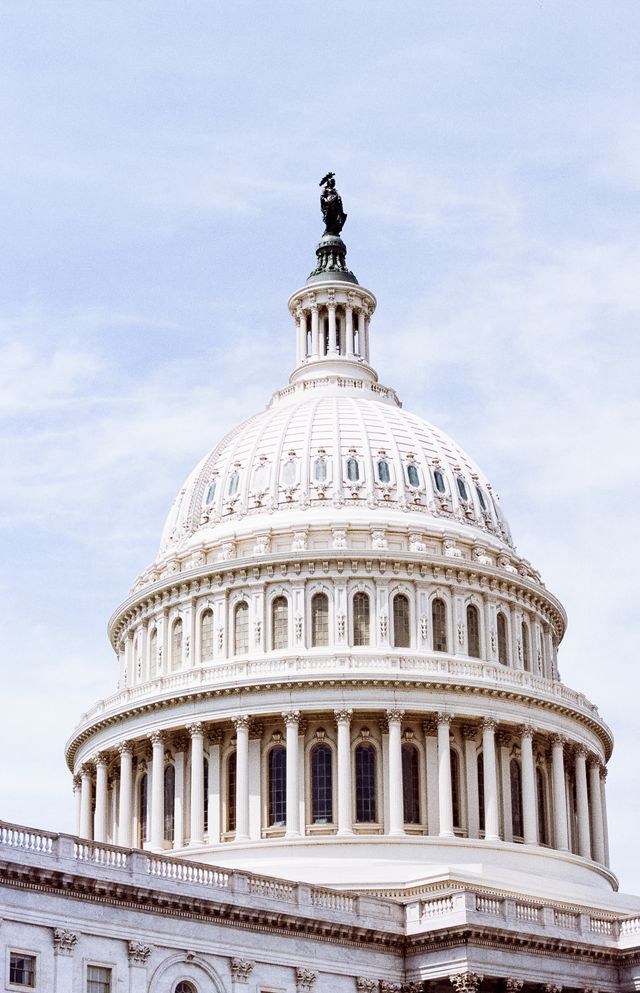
353,470
320,470
483,502
234,482
211,492
413,475
383,471
462,489
439,482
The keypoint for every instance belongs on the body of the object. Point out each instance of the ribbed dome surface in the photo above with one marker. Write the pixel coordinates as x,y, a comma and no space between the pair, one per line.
332,447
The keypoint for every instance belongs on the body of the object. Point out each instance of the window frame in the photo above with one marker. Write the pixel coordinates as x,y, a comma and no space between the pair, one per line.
279,595
321,591
207,609
276,825
410,610
438,597
326,744
97,964
354,596
22,953
471,605
239,603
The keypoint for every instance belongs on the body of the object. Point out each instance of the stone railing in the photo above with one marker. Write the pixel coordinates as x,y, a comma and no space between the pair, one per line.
441,669
63,852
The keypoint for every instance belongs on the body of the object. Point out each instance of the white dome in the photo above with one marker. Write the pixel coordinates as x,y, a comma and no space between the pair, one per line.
338,445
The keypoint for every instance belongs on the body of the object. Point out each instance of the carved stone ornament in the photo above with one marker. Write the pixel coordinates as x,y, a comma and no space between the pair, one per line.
412,987
64,942
513,985
466,982
241,969
386,987
305,979
138,953
552,988
367,985
343,716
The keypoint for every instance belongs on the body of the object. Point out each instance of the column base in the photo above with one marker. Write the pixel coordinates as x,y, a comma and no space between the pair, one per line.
196,843
446,834
344,833
293,834
397,833
242,837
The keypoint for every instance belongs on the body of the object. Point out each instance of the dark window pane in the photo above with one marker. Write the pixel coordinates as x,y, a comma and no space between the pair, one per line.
503,655
353,470
438,479
543,837
439,624
462,489
169,802
401,625
211,492
143,800
413,476
365,784
410,784
526,647
321,785
319,620
231,792
473,631
320,470
234,482
480,766
361,619
383,472
455,789
22,969
277,786
483,502
516,797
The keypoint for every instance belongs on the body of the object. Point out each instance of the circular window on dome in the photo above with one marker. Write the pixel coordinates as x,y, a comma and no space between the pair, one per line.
462,489
438,481
211,492
413,476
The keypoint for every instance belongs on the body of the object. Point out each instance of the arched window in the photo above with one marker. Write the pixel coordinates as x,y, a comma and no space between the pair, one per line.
205,793
543,836
462,489
319,620
515,774
234,482
169,802
473,631
320,470
439,624
455,789
211,492
480,768
413,476
277,767
153,653
279,622
526,646
410,784
501,622
383,471
353,470
365,758
483,502
176,645
361,618
231,792
438,481
321,785
206,635
401,621
143,809
185,987
241,628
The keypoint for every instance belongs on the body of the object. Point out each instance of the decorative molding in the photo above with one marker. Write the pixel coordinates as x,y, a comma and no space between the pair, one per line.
291,718
513,985
367,985
395,715
64,941
467,982
343,716
195,728
305,979
241,722
444,718
241,969
138,953
386,987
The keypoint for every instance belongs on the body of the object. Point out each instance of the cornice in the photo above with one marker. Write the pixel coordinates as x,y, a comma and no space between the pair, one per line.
496,938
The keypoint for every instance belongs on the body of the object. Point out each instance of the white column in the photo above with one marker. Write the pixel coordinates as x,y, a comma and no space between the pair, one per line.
179,750
361,333
470,733
597,826
196,833
582,803
333,340
213,786
242,777
445,804
315,338
560,826
126,780
77,797
255,793
605,822
345,800
348,317
366,339
491,818
157,791
291,720
100,817
301,351
504,744
529,819
396,799
86,804
431,753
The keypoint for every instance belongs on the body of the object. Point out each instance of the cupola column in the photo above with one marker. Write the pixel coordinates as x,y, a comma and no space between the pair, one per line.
157,791
126,777
348,317
333,338
582,801
291,720
302,336
490,776
603,799
529,819
196,833
242,777
360,349
396,804
100,816
86,802
315,336
445,802
77,796
345,801
560,827
597,827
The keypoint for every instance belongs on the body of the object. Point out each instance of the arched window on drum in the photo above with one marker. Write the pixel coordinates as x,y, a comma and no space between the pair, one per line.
439,624
456,808
279,623
241,628
153,653
321,784
503,650
410,784
143,809
401,621
526,646
277,786
176,644
473,631
185,987
515,774
169,802
206,635
366,799
319,620
231,792
361,619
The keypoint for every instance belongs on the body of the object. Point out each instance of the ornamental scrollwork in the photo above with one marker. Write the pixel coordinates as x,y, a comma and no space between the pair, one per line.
305,979
64,941
138,953
466,982
241,969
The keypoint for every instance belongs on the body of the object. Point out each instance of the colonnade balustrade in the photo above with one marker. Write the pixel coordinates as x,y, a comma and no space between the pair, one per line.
475,779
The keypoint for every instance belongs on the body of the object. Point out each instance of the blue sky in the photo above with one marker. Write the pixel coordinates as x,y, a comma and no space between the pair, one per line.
159,171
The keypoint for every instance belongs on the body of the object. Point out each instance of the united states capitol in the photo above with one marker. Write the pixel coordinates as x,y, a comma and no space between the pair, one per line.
339,757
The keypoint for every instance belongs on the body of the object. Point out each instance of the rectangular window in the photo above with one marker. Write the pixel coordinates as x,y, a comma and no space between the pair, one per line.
22,970
98,979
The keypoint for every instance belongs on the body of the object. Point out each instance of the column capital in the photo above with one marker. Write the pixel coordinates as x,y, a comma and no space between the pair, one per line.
580,752
552,988
77,782
604,772
489,724
343,716
241,723
558,740
196,728
256,730
124,748
156,738
364,985
395,716
513,985
305,979
443,718
138,953
430,727
469,732
64,941
101,758
241,969
466,982
386,987
86,769
291,718
593,760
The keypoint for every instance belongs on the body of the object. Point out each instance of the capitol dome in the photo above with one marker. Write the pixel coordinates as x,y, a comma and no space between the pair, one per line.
338,668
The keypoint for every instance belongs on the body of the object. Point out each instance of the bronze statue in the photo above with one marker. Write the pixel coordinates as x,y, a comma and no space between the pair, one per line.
333,213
